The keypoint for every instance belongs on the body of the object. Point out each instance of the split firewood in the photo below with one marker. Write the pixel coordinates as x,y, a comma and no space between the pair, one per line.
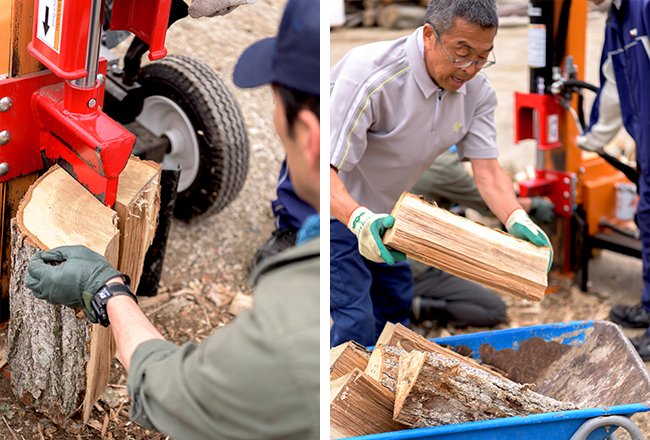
383,365
346,357
468,249
60,362
436,390
360,406
397,335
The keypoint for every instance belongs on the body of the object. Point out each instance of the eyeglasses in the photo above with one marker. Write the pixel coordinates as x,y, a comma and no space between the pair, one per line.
461,63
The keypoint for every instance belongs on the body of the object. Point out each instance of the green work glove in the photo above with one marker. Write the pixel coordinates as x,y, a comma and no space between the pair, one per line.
369,229
521,226
542,210
69,275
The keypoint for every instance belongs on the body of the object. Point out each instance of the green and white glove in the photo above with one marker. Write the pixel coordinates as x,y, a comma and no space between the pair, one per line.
69,275
369,229
521,226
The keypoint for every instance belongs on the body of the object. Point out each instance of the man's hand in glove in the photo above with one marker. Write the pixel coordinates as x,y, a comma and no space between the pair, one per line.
369,229
212,8
541,209
521,226
69,275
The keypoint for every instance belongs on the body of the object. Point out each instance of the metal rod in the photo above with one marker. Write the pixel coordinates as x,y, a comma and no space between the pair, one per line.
92,50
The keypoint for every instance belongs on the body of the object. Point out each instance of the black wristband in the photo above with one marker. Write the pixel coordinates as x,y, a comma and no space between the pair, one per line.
106,292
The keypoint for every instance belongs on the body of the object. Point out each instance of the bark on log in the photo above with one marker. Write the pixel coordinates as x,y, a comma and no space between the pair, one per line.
398,16
346,357
360,406
434,390
59,360
467,249
383,365
396,335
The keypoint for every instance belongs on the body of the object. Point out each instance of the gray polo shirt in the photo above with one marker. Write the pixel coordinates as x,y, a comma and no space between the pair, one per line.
389,120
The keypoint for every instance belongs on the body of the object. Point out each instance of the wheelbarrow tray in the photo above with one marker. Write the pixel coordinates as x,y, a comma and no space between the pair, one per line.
589,363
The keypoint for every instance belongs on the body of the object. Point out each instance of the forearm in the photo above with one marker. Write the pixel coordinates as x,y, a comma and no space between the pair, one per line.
495,188
341,203
130,326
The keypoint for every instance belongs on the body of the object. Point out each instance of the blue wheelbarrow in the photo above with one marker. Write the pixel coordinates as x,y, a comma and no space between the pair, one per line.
589,363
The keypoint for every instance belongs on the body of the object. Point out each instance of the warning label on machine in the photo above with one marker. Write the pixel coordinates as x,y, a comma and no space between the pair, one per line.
49,22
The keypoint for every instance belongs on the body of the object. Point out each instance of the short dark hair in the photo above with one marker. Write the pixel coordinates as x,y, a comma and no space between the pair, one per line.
442,14
293,101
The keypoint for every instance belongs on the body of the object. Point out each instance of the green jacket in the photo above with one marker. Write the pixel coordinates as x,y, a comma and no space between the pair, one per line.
257,378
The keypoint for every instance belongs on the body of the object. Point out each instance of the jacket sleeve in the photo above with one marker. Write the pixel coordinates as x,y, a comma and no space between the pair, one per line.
254,378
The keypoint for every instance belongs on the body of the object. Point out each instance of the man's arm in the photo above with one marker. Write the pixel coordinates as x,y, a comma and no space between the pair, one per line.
495,187
341,202
130,326
365,224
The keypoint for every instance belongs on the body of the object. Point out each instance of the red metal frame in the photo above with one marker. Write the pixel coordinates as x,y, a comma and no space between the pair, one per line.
65,125
147,19
558,186
548,111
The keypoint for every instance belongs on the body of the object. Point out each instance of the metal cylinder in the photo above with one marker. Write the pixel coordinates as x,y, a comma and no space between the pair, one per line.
625,200
92,49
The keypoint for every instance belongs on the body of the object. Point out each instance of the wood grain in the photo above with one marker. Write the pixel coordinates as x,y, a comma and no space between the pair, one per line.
468,249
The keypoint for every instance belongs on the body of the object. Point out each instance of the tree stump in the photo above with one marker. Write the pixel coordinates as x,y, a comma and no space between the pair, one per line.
60,362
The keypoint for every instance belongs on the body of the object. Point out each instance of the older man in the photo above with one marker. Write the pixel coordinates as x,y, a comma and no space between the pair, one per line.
396,106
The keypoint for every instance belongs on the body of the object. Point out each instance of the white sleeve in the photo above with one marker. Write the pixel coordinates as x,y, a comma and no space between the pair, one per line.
480,142
609,114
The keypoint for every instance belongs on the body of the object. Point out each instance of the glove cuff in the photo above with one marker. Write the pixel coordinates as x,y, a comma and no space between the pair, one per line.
355,222
517,215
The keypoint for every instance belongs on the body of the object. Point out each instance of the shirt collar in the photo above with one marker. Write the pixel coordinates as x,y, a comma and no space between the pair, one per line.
416,59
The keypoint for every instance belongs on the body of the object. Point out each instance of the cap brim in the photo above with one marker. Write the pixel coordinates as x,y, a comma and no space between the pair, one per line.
255,66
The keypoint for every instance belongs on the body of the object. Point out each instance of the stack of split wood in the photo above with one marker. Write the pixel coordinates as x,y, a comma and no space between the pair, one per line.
408,382
60,362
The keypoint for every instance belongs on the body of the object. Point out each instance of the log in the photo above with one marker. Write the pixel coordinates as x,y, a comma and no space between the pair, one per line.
137,205
468,249
60,362
346,357
360,406
396,335
383,365
434,390
398,16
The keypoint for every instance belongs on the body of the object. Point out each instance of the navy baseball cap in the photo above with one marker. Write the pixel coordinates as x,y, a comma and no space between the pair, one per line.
292,59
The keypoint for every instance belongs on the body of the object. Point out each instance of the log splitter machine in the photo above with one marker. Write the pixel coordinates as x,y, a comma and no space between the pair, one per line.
582,185
55,116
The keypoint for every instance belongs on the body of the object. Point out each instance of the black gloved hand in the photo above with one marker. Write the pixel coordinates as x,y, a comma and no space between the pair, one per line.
69,275
541,209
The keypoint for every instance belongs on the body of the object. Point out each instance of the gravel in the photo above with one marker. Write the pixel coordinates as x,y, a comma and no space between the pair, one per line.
218,248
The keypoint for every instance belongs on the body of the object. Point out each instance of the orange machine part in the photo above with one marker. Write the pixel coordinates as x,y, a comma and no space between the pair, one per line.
597,191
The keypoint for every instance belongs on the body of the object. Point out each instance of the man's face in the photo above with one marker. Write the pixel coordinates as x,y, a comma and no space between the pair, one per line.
303,151
467,41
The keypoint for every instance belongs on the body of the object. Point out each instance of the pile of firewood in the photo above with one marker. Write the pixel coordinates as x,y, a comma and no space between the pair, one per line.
408,382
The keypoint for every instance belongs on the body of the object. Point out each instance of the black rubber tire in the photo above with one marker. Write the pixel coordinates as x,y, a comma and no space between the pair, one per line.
218,124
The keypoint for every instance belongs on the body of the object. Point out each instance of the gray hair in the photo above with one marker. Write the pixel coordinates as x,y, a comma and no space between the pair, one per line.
442,14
